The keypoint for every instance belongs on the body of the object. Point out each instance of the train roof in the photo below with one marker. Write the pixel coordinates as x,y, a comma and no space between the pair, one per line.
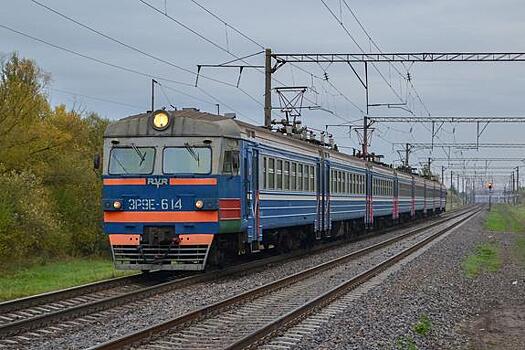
186,122
192,122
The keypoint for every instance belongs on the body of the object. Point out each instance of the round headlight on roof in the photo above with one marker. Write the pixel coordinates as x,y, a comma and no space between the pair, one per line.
160,120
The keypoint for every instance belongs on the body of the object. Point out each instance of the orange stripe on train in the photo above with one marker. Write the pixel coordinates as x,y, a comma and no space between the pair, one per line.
185,239
161,216
210,181
130,181
124,239
195,239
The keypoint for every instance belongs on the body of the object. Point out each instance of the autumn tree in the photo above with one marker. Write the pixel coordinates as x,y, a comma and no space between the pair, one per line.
49,193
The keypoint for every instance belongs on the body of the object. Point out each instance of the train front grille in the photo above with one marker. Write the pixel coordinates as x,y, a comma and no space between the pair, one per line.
162,257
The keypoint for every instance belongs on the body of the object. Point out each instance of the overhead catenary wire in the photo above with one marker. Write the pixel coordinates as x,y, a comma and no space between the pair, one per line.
247,37
228,25
226,105
237,58
91,58
112,65
94,98
362,50
131,47
376,45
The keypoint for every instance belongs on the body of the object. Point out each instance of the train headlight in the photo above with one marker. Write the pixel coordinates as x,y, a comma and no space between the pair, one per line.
199,204
117,204
161,120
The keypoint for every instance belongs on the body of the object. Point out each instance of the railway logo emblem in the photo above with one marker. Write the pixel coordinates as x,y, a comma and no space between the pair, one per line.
157,182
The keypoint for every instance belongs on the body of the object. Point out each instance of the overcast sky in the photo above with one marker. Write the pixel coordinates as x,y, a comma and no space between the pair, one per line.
285,26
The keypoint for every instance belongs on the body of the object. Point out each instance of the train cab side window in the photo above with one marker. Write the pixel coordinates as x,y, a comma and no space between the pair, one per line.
265,167
231,162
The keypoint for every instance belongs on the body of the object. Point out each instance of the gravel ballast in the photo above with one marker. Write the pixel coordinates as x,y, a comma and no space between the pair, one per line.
433,285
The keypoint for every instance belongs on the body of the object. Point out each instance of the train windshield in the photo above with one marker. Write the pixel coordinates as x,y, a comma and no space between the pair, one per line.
131,160
187,160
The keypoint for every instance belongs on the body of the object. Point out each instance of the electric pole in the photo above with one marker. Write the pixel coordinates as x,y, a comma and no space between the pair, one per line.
407,154
268,89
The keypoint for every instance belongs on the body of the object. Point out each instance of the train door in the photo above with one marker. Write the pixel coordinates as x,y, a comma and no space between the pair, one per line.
251,187
425,197
413,194
323,220
369,213
395,199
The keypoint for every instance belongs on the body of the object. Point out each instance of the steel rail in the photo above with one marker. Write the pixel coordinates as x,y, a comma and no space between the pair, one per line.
53,296
44,319
217,307
323,300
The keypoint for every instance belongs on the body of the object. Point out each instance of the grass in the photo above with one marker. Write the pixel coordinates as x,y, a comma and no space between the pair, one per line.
423,325
506,218
520,249
486,257
56,275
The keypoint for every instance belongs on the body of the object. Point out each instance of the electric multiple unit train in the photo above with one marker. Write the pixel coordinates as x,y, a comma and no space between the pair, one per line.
186,189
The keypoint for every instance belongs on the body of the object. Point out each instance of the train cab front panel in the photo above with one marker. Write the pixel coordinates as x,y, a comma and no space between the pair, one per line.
168,193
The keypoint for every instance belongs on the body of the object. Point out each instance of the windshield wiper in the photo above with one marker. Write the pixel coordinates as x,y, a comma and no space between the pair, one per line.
120,163
192,152
141,156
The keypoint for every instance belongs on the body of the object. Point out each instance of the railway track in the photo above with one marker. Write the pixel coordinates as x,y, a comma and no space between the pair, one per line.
247,319
84,304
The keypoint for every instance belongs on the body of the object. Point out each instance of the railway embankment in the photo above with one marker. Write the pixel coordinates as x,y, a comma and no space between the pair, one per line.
467,291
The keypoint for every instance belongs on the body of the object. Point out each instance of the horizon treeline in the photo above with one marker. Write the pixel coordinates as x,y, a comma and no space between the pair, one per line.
49,193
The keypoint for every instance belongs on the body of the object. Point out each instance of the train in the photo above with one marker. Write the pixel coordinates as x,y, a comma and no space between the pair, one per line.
185,189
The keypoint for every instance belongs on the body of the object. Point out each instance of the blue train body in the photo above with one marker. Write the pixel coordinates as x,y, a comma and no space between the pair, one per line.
202,186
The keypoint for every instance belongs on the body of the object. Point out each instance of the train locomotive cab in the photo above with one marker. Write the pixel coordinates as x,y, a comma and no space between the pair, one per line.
171,188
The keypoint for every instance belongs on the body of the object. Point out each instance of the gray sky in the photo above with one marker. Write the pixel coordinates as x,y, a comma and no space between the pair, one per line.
285,26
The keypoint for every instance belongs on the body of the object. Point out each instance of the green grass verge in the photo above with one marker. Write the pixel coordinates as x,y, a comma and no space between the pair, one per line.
506,218
520,249
55,275
423,325
486,257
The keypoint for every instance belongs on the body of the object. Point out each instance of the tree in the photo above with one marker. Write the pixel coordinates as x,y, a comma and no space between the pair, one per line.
49,193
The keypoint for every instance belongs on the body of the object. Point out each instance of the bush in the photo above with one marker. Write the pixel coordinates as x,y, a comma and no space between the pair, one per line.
29,228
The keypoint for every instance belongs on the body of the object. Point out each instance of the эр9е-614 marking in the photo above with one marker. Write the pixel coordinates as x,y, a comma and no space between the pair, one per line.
185,189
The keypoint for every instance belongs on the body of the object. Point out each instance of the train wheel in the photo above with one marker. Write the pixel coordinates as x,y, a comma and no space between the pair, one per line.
216,256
